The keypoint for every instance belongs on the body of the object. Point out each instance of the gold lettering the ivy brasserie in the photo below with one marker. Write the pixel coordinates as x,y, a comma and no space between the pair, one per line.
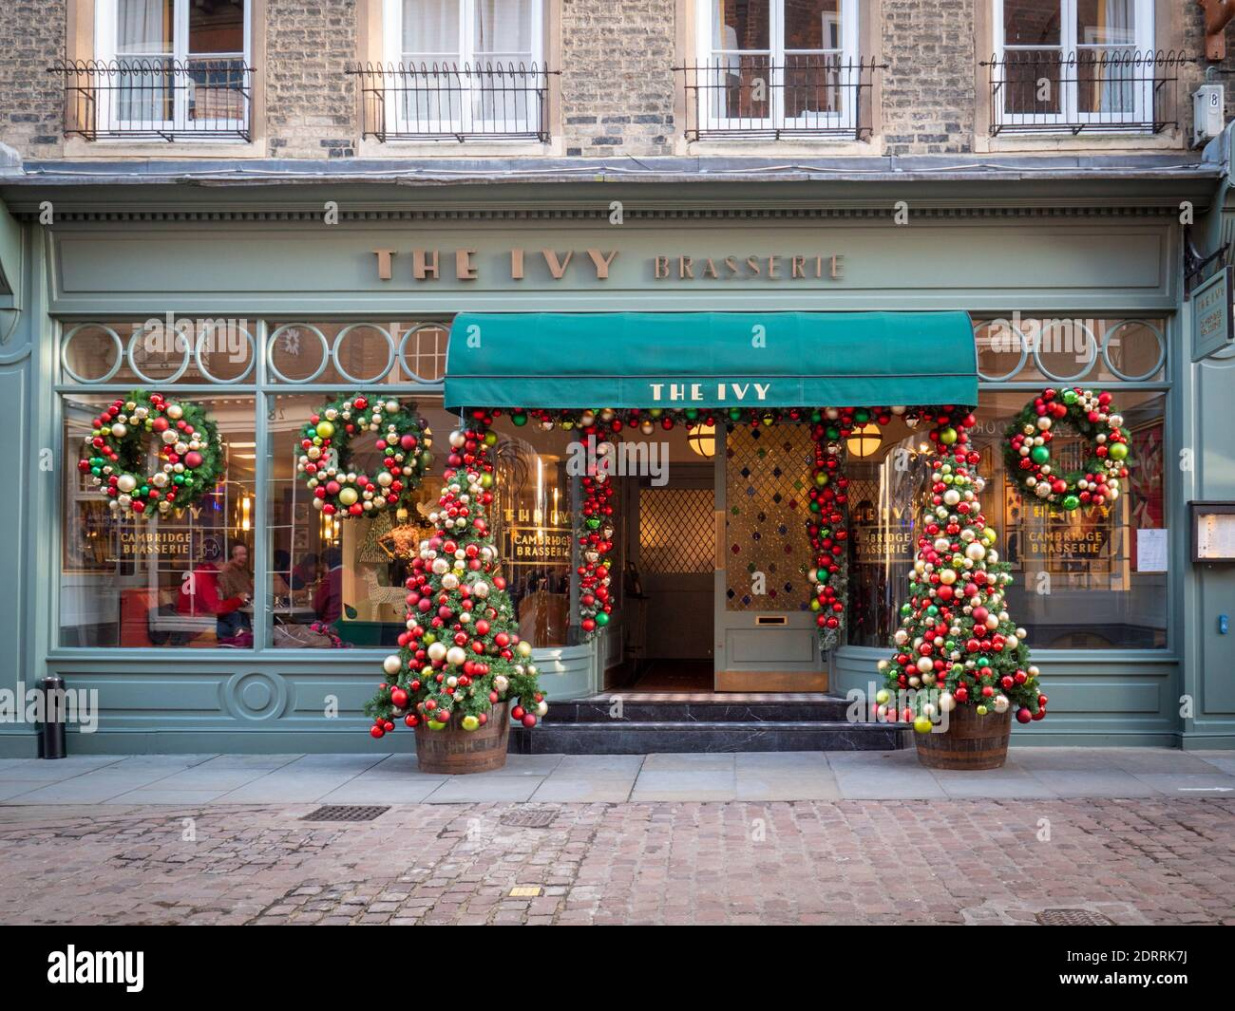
595,264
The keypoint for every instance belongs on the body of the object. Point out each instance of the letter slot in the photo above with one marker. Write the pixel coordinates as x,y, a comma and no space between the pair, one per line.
771,619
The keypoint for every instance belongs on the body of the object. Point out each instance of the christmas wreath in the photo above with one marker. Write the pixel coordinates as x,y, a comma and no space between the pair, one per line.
118,445
325,459
1027,452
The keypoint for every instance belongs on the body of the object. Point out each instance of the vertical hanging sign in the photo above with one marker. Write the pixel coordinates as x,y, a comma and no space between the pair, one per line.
1212,329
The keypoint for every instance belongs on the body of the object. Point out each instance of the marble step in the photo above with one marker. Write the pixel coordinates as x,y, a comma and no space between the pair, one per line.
719,711
643,738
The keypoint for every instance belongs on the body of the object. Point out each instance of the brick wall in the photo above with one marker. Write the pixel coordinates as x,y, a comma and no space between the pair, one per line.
928,89
617,77
617,85
31,40
311,109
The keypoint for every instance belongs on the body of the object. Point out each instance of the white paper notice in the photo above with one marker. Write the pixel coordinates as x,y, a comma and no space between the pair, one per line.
1150,550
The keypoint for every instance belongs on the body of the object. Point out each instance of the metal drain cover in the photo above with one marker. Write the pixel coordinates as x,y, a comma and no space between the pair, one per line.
346,812
1073,918
528,819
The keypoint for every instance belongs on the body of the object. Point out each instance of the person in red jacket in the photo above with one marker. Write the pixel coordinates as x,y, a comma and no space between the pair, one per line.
199,595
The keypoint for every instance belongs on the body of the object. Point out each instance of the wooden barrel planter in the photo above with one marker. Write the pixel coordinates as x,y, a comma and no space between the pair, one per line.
453,751
971,742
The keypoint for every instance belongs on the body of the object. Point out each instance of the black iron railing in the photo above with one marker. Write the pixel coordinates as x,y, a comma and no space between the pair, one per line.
1044,91
805,96
155,98
440,101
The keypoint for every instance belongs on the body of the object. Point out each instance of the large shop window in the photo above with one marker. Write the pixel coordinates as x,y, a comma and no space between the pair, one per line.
169,69
1095,578
337,582
1073,64
195,579
178,581
777,65
534,528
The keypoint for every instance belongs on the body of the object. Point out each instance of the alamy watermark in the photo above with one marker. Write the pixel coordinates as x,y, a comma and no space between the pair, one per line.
1046,335
58,705
619,459
218,338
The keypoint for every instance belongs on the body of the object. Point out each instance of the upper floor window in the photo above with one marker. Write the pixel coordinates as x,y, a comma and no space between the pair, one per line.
164,69
776,68
459,69
1077,65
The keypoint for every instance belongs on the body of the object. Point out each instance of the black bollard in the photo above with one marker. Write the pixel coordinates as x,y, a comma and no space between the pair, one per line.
51,734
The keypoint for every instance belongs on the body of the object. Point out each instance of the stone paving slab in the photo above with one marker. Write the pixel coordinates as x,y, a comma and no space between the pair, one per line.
1152,860
272,779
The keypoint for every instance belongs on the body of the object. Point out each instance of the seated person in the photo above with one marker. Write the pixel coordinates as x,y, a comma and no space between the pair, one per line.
203,592
235,582
328,601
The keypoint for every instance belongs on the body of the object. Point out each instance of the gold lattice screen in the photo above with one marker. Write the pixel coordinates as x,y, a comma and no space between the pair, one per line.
675,530
767,475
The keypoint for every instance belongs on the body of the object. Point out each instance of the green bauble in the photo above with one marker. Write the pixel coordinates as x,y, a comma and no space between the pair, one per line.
1069,397
947,436
519,418
861,416
1117,451
1040,454
602,618
1071,502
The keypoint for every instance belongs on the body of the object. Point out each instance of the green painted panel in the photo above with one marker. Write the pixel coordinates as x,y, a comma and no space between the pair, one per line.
244,269
16,461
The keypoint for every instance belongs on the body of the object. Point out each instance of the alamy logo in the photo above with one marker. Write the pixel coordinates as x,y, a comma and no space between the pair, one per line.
60,705
73,966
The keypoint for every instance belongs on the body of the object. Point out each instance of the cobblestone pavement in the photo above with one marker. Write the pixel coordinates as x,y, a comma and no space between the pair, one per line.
1143,860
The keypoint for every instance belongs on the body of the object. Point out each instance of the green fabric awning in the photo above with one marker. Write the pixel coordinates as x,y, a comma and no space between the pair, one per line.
710,359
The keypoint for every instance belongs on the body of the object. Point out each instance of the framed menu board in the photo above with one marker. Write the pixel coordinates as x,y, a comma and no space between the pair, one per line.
1213,531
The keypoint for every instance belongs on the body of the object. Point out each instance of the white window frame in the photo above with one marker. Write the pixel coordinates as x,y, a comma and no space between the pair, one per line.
468,122
1069,45
709,60
106,16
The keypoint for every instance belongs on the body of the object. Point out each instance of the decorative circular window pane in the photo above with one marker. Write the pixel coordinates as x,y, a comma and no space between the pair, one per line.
1133,350
1065,348
299,352
422,352
1002,349
91,353
225,351
363,352
160,353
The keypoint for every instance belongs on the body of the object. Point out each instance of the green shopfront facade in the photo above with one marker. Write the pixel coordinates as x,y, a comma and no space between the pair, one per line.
1078,290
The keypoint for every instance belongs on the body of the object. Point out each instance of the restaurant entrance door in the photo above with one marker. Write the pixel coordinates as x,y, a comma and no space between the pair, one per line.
765,636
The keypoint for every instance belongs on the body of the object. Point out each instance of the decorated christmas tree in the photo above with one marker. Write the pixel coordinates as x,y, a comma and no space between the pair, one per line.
460,654
957,644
